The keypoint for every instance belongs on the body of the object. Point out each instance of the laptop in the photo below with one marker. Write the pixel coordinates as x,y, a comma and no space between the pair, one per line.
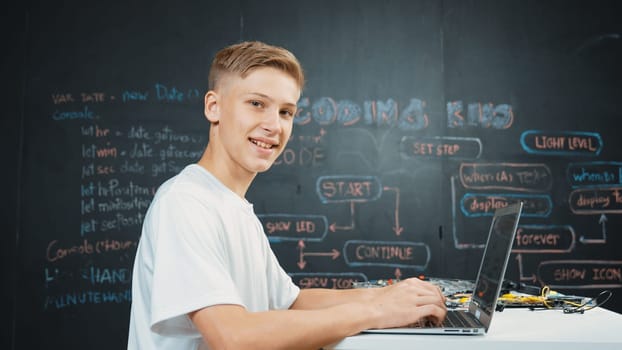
477,319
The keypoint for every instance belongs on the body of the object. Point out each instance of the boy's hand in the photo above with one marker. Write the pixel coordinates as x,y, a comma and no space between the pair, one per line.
407,302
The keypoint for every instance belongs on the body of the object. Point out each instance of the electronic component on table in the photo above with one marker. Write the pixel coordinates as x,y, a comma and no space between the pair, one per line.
458,295
448,286
375,283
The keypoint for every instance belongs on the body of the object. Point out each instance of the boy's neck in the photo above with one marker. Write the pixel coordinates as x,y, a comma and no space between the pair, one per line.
234,180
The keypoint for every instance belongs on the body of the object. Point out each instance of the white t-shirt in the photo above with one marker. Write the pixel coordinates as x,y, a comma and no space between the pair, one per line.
201,245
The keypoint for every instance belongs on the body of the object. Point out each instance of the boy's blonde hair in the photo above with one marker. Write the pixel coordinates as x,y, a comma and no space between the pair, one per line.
244,57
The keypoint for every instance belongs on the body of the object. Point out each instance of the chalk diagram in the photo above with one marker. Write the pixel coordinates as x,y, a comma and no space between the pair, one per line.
594,193
477,189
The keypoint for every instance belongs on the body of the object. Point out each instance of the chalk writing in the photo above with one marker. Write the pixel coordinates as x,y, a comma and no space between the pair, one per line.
61,98
581,274
326,111
160,92
132,168
92,151
544,239
132,95
84,113
93,97
94,131
119,166
120,221
484,204
138,132
303,151
561,142
596,200
386,253
88,170
346,188
112,199
167,134
94,275
166,167
588,174
173,151
327,280
87,297
119,204
440,147
483,115
104,275
458,244
292,227
303,156
52,276
506,176
139,150
173,94
114,188
56,252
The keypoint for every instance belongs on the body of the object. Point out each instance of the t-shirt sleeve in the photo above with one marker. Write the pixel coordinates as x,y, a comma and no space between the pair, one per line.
283,292
189,272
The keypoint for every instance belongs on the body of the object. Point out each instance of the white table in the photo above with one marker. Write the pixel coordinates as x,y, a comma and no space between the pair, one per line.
515,329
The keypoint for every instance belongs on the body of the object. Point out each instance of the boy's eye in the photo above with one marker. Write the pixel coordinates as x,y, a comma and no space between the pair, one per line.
287,112
256,103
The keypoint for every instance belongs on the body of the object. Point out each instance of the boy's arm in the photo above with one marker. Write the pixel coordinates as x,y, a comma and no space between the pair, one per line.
319,317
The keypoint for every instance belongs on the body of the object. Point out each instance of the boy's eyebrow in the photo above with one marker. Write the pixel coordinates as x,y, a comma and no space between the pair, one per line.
259,94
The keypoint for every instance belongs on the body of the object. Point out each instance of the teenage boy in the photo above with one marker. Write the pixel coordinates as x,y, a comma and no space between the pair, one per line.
205,276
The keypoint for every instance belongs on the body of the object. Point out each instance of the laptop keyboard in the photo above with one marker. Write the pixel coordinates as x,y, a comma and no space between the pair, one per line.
459,319
454,319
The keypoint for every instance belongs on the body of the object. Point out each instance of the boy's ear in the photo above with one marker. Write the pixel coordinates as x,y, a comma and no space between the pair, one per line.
212,107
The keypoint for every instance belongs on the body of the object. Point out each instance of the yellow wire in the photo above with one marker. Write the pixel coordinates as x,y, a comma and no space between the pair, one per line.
544,295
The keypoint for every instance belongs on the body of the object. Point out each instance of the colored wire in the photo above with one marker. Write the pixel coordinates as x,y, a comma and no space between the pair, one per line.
589,304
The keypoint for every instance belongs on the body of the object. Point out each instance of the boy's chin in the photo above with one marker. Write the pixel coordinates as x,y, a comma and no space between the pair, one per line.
262,168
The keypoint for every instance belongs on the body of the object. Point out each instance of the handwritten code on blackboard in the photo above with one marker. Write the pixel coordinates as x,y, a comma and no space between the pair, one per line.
419,119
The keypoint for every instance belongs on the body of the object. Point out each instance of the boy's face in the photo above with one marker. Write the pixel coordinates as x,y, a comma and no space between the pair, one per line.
253,117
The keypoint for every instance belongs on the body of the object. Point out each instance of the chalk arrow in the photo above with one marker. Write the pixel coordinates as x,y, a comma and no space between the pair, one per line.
602,220
334,227
397,228
334,254
301,262
531,278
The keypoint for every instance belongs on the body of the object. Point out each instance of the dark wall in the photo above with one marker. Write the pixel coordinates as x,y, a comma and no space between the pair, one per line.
418,119
14,28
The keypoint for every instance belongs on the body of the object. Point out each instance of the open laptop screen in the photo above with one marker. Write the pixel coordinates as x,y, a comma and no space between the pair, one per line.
494,262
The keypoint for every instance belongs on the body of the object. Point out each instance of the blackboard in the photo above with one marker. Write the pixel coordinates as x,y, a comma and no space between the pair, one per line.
418,119
13,29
